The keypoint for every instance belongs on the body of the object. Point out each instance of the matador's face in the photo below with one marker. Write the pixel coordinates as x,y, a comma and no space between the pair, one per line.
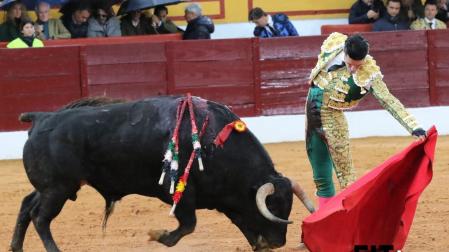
353,65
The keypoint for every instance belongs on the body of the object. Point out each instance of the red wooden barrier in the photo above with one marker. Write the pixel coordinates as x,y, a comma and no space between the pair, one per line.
285,67
254,76
220,70
40,79
439,67
130,71
402,58
346,28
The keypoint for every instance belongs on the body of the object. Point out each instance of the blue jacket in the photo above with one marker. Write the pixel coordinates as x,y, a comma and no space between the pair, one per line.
387,23
282,28
199,28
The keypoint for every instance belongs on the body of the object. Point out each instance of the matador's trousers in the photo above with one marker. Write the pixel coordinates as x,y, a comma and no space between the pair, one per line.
327,144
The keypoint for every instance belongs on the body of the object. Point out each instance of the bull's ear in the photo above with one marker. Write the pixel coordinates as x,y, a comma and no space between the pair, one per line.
281,185
279,181
254,188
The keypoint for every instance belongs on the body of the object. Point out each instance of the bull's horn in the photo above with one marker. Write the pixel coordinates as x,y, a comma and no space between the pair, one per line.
302,196
262,193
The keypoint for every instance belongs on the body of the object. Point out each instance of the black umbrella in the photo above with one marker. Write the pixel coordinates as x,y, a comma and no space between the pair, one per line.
5,4
71,5
134,5
31,4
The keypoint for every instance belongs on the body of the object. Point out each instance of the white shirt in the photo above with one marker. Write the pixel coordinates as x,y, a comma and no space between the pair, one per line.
135,23
270,23
338,60
431,21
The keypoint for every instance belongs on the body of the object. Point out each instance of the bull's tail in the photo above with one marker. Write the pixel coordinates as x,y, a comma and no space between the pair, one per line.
109,209
29,116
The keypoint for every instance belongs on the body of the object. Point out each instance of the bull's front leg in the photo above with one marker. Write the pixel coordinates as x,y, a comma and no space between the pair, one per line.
185,214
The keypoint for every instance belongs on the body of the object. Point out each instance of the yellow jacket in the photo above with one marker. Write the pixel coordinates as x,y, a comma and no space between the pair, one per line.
421,24
343,90
19,43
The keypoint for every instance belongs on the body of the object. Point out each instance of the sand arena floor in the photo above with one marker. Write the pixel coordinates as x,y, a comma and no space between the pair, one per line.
78,227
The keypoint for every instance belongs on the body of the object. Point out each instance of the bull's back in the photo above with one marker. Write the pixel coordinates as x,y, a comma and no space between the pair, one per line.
116,141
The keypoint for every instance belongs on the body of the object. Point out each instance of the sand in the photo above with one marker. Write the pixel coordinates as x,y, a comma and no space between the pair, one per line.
78,227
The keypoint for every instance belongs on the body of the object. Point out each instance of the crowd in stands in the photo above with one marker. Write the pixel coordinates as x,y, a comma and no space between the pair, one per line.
97,19
86,19
400,14
384,15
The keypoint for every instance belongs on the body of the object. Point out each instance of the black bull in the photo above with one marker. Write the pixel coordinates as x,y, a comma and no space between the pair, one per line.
118,148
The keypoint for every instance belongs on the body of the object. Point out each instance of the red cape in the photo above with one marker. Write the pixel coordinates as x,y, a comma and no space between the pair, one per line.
377,209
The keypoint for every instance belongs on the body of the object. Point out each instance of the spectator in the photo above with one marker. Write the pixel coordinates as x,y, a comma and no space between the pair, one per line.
443,13
15,13
136,23
26,39
104,23
268,26
412,9
429,22
392,20
76,21
47,28
198,26
162,23
366,11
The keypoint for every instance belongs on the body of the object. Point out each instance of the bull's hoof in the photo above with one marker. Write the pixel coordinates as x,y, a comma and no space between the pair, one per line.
155,235
168,240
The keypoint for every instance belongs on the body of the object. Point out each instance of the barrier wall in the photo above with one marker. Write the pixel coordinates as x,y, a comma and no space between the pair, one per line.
285,66
439,66
130,71
36,80
403,58
220,70
254,77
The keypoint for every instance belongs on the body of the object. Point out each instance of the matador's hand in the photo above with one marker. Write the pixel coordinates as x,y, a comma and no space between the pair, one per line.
420,134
